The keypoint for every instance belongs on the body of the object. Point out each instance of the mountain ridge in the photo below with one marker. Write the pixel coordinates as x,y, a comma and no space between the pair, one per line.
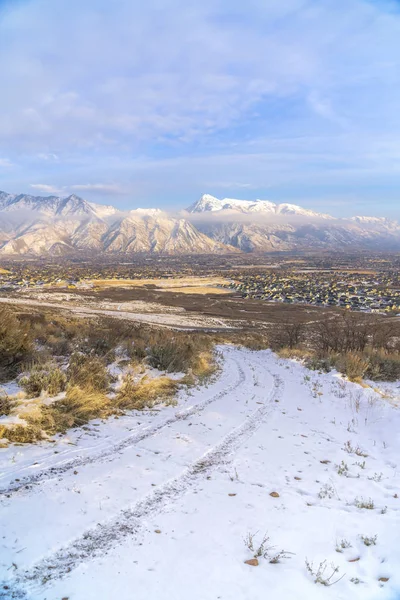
40,225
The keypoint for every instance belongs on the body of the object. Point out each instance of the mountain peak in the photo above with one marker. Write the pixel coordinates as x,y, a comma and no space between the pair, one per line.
208,203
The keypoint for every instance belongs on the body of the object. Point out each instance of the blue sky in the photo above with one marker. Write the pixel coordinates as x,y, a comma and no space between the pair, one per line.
154,103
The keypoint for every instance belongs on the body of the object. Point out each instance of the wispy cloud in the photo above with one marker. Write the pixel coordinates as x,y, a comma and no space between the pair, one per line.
194,86
5,163
101,188
45,188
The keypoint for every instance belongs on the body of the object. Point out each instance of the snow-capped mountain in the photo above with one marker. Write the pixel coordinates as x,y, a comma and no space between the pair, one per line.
261,225
37,225
208,203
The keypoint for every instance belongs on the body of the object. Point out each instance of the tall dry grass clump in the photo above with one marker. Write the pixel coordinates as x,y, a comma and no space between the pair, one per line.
352,364
77,408
178,352
145,393
21,434
88,372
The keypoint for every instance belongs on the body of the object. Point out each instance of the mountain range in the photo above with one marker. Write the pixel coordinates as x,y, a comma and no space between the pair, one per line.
37,225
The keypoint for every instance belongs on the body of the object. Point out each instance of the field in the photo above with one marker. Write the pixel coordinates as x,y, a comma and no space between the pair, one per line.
184,285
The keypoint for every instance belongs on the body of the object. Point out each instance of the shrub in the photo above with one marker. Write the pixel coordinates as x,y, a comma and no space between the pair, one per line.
16,343
317,363
363,503
44,378
383,366
323,574
342,545
5,404
353,365
369,540
88,372
180,352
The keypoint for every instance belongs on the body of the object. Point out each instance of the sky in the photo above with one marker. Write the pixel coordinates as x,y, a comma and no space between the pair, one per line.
155,103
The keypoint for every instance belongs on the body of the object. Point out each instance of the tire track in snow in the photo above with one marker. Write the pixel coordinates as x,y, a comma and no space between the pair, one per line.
131,440
100,539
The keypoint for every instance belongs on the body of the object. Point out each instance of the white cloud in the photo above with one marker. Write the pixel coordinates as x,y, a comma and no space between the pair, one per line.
48,156
130,74
5,163
102,188
45,188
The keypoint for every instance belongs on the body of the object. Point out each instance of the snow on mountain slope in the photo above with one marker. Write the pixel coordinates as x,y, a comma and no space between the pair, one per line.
54,206
209,203
153,231
69,225
267,227
38,225
165,501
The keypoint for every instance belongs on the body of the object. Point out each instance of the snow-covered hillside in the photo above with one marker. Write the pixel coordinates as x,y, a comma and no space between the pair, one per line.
159,504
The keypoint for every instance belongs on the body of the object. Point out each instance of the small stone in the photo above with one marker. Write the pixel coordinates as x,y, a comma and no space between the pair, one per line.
298,478
75,472
157,531
274,494
395,496
253,562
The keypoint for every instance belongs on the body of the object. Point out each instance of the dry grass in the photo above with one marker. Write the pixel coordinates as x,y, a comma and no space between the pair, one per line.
298,353
353,365
179,283
88,372
144,393
77,408
206,289
21,434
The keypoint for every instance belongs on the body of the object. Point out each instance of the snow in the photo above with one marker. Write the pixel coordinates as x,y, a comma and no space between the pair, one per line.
157,504
208,203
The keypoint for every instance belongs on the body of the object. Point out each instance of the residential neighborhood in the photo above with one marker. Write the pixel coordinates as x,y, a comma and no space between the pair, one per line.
369,292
